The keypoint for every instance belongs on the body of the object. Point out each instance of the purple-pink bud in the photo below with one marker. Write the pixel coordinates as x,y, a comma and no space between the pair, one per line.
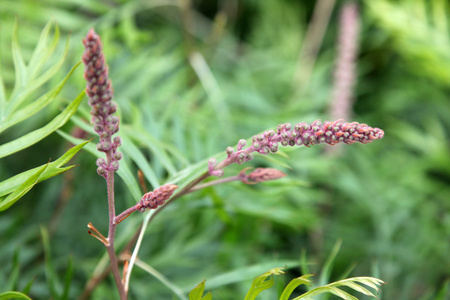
159,196
260,175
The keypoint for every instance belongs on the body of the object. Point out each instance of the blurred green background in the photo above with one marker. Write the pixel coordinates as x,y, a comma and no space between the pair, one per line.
200,75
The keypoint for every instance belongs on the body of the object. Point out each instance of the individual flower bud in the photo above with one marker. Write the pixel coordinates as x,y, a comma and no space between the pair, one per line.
101,171
241,144
114,165
117,141
256,145
118,156
229,151
274,147
100,162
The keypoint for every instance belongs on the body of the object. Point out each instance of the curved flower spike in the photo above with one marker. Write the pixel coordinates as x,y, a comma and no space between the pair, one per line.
301,134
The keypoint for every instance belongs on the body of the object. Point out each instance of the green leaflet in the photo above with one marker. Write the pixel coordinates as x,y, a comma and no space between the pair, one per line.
260,283
20,184
22,189
38,134
197,293
294,284
353,283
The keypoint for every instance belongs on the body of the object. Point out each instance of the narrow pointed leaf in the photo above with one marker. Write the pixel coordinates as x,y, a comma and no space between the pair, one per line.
42,51
37,135
261,283
53,169
19,64
50,274
294,284
68,279
132,151
21,190
36,105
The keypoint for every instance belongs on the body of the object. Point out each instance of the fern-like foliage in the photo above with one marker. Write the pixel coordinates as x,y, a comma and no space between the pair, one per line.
20,106
266,281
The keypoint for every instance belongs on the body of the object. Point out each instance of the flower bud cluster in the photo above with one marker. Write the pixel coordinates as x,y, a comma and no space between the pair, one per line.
156,198
260,175
301,134
100,93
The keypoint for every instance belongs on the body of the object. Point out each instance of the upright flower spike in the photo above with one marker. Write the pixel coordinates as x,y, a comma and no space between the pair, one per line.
100,93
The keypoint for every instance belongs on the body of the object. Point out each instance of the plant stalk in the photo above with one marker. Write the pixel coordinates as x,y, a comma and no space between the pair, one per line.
112,233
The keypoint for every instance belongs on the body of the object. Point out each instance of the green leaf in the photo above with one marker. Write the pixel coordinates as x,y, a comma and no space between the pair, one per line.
154,145
13,295
133,152
28,78
197,293
353,283
294,284
14,275
68,278
260,283
37,135
22,189
52,169
36,105
19,64
50,274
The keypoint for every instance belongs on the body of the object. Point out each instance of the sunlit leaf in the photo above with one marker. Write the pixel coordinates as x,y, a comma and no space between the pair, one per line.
261,283
13,295
197,293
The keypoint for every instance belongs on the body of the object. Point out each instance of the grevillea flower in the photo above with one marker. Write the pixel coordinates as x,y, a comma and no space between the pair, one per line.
260,175
301,134
156,198
100,92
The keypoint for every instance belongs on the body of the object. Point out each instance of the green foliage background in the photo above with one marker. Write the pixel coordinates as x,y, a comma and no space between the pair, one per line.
200,75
